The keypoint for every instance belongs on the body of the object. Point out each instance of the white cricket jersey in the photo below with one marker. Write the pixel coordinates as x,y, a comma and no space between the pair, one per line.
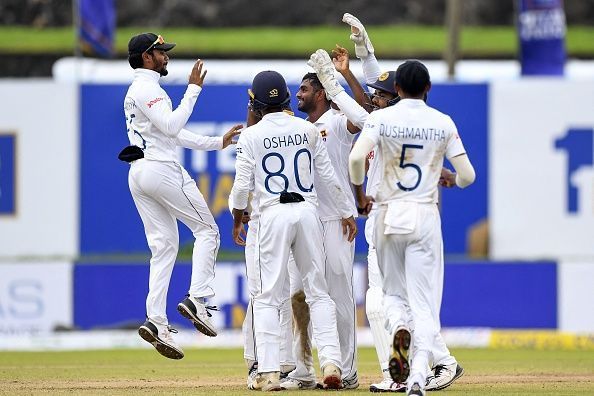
338,141
413,139
280,153
373,172
154,126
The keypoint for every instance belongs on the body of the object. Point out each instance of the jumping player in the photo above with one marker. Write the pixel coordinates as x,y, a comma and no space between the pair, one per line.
164,192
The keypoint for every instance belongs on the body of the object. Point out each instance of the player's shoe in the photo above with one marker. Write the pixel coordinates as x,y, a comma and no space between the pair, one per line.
267,381
416,390
295,384
399,367
199,314
160,337
388,385
332,377
443,376
251,378
351,382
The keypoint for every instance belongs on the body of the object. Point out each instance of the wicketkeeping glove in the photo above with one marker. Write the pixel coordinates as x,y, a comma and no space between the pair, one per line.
322,64
363,46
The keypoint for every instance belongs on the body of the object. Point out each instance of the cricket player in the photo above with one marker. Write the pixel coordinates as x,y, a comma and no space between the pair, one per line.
407,233
252,218
278,156
337,133
163,192
445,368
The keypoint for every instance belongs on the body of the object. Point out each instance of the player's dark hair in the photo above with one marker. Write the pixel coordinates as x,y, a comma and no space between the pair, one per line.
413,77
135,60
313,80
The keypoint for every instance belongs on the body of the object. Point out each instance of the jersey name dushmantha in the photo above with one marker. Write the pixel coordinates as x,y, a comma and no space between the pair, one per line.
413,140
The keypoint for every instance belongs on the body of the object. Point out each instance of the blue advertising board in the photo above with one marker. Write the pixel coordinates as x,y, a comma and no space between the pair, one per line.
8,175
110,224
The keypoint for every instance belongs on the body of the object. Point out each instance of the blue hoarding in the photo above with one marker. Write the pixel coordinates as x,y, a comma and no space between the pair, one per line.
7,174
109,222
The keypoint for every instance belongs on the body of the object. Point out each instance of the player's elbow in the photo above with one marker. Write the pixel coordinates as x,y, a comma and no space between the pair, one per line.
356,168
466,178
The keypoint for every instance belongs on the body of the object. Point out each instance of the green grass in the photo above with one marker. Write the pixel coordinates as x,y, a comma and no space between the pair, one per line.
390,41
222,371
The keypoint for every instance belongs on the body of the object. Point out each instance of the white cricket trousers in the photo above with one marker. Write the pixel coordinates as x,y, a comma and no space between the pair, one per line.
411,265
296,227
164,192
339,277
286,340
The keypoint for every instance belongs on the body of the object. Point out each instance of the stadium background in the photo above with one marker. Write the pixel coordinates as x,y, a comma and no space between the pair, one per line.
519,246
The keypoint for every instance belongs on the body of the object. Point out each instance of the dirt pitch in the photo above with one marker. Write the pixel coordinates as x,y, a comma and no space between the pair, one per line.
222,372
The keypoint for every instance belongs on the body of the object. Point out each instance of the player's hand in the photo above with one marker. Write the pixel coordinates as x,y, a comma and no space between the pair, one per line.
364,204
197,76
246,218
349,228
340,58
239,234
322,64
447,178
363,46
228,137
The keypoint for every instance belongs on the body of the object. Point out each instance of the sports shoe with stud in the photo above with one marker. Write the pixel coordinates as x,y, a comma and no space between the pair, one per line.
387,385
398,365
416,390
332,377
251,378
443,376
160,337
199,314
268,381
351,382
295,384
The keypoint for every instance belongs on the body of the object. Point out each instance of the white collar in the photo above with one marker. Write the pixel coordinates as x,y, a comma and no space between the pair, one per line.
146,74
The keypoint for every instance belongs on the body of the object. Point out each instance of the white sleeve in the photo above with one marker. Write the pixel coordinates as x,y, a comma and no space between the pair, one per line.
324,169
191,140
368,139
244,172
362,147
454,145
371,69
155,105
351,109
465,174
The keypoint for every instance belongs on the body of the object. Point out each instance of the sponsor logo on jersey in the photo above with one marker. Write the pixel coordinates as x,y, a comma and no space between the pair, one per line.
154,101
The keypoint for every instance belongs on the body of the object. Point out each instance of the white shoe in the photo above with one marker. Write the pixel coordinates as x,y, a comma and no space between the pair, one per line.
295,384
416,390
198,313
387,385
332,377
443,376
160,337
351,383
268,381
363,46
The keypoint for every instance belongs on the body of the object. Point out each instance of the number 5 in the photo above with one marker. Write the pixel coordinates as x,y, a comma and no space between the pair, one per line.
409,165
